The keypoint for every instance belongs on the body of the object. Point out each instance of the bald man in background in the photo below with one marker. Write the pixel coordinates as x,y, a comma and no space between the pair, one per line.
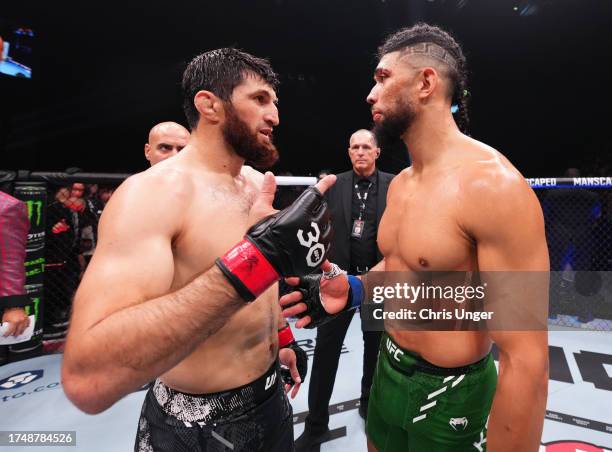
165,140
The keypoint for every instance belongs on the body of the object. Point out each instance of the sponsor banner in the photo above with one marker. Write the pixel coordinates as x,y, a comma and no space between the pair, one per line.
579,421
34,267
20,379
308,345
35,292
565,182
592,181
25,384
35,198
34,195
541,182
333,409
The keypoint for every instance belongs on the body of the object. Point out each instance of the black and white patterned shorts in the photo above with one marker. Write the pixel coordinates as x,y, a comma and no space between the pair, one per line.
253,417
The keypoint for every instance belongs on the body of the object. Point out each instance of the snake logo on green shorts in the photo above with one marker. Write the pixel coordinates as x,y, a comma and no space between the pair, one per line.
458,421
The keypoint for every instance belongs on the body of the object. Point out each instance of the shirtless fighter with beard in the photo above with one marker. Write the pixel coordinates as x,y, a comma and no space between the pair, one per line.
163,297
460,207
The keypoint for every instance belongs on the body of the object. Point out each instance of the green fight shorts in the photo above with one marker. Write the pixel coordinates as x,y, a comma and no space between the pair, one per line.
418,407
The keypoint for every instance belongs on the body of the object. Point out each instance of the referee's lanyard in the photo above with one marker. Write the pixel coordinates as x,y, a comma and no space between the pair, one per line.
358,224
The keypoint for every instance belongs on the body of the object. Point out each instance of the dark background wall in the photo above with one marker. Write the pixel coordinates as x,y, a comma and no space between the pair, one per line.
107,71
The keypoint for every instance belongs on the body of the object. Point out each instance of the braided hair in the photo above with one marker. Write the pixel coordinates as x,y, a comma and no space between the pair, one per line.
451,56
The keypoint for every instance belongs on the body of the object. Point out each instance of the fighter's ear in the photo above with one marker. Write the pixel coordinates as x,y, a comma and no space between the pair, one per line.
428,81
147,149
208,105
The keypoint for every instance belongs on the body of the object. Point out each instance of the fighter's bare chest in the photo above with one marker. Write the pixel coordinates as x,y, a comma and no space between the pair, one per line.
421,230
213,225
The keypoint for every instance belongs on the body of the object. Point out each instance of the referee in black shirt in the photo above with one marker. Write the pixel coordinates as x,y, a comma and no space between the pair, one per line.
357,201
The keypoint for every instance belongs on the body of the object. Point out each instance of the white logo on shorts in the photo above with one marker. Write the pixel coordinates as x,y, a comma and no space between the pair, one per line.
458,421
393,350
480,444
270,381
317,250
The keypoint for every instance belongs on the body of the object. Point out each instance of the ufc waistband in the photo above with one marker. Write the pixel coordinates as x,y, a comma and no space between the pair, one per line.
204,409
407,362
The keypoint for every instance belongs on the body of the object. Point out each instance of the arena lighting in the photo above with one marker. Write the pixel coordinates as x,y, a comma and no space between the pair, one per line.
529,10
460,3
526,8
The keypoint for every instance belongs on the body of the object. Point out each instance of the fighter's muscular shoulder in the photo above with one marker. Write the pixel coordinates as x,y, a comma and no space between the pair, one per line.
154,197
488,183
137,227
495,201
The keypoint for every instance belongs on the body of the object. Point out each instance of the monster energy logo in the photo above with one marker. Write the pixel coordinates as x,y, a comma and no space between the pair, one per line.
39,261
34,205
35,266
35,271
35,302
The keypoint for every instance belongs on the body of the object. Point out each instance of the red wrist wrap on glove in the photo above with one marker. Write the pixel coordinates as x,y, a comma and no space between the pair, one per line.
246,262
285,337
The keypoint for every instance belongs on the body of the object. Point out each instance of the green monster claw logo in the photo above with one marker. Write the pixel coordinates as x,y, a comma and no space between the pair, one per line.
31,205
35,302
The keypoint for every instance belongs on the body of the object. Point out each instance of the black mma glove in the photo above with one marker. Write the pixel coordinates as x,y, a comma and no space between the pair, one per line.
310,287
292,242
286,340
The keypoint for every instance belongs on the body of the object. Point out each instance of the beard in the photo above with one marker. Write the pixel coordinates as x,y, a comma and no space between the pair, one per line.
389,131
245,142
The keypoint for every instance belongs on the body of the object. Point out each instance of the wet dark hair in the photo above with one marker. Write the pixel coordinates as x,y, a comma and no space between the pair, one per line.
452,58
220,71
